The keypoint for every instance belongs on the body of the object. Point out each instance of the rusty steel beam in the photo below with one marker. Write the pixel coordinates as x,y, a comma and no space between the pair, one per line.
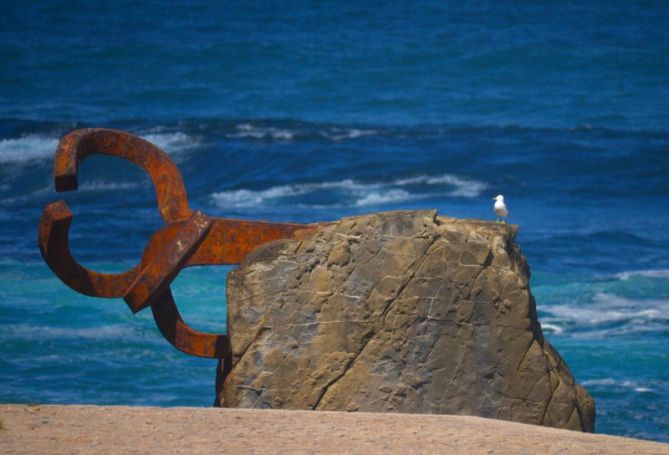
230,241
188,238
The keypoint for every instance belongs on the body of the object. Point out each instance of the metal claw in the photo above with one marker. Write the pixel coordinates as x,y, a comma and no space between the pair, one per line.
181,336
189,238
54,245
80,144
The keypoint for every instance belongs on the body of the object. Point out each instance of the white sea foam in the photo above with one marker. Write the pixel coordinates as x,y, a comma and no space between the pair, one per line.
247,130
617,383
27,196
463,187
642,389
598,316
378,198
172,142
250,198
337,134
99,185
606,308
35,147
33,332
556,329
607,381
362,194
27,148
607,314
86,187
660,273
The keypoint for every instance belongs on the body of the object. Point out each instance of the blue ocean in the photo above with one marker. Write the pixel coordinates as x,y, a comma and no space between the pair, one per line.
307,111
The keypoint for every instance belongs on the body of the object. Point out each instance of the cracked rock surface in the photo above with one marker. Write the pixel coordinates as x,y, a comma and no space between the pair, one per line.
396,311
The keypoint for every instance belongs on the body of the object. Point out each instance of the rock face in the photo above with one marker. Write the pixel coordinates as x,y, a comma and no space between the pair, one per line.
397,311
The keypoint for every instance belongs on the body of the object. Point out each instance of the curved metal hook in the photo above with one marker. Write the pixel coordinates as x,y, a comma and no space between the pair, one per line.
181,336
80,144
57,217
53,237
188,238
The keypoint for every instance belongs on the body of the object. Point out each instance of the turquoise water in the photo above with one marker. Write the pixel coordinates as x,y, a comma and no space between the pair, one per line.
315,111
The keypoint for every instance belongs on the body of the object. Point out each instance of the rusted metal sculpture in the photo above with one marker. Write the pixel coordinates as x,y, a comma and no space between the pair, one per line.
189,238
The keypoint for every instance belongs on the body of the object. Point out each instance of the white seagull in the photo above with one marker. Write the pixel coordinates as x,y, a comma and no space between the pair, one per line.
500,208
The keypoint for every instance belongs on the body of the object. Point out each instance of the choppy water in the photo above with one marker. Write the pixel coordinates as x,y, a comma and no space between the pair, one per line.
315,111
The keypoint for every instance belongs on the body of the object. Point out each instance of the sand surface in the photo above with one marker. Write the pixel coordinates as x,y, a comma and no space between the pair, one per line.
120,429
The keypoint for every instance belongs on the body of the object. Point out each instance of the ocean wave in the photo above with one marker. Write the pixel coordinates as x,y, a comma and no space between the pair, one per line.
283,133
660,273
349,191
617,383
463,187
86,187
34,332
27,148
607,314
172,142
292,129
556,329
246,130
26,197
99,185
35,147
377,198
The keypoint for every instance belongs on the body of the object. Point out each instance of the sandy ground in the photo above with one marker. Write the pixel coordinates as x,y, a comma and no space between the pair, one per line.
120,429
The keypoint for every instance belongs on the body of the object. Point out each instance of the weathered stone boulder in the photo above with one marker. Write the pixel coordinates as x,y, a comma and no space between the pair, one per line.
397,311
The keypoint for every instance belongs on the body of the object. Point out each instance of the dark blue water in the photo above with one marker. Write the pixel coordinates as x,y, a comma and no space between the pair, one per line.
311,111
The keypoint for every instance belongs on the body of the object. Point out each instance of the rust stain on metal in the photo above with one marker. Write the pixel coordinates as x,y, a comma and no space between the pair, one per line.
187,239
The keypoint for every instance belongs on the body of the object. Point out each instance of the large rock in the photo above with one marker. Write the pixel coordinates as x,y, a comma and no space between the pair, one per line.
397,311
